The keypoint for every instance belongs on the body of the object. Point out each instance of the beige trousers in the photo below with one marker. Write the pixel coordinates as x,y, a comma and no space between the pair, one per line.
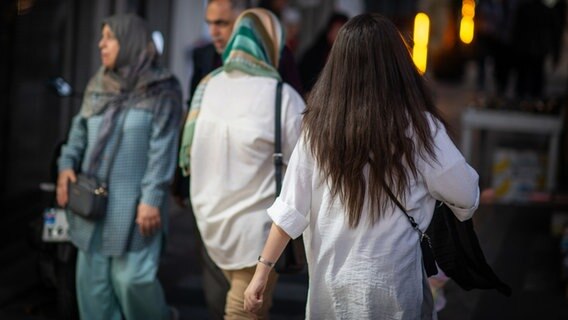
239,281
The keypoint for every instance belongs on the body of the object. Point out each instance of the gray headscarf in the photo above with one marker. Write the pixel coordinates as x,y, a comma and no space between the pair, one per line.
137,51
136,66
135,76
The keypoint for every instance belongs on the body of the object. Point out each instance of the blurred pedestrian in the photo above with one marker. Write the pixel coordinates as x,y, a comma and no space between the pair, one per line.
275,6
559,13
373,142
228,146
315,57
534,36
220,16
128,124
487,17
292,21
504,58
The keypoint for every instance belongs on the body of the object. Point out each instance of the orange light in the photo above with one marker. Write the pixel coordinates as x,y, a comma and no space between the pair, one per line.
421,33
466,30
421,29
420,58
468,8
467,26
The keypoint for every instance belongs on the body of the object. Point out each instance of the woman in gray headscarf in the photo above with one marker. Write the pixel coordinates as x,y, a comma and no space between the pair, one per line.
128,127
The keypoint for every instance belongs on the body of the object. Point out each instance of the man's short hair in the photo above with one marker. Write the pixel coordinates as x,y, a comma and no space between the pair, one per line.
236,5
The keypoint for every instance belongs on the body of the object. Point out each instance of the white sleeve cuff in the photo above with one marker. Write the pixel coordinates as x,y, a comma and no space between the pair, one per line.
287,218
464,213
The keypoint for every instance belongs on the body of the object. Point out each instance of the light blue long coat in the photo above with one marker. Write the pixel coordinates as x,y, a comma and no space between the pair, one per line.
141,172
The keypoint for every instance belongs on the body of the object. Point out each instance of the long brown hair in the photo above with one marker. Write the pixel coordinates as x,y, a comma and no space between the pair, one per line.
359,113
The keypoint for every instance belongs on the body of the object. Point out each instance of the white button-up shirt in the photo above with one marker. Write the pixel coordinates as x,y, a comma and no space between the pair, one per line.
232,168
371,271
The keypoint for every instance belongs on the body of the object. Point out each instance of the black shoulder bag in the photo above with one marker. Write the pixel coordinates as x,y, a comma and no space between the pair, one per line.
88,196
293,258
453,245
459,254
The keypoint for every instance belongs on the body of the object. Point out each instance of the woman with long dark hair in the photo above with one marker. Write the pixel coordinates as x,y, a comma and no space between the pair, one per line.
372,138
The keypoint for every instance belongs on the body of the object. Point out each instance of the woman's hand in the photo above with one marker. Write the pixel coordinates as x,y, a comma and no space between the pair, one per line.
62,180
487,196
255,290
275,244
148,219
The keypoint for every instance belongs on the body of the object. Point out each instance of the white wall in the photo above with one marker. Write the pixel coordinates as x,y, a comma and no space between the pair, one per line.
187,27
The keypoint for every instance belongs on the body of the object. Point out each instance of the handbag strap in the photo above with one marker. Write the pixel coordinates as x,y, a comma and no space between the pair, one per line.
410,219
277,156
428,258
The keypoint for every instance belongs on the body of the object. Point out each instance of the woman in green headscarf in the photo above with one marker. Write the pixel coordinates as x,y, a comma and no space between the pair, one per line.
125,134
228,147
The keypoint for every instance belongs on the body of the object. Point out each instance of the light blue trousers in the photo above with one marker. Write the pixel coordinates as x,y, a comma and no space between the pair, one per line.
109,288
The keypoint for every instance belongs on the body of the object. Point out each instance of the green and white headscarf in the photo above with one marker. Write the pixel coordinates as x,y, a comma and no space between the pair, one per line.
254,48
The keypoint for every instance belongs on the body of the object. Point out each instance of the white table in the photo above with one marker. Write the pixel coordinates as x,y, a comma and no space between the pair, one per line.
514,121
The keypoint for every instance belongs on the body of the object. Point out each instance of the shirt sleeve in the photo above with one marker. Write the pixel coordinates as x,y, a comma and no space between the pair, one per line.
162,151
450,178
74,149
291,209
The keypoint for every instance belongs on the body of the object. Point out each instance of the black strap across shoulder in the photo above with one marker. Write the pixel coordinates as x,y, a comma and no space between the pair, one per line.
278,138
425,242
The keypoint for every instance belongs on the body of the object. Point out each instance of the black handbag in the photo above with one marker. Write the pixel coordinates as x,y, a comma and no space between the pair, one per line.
453,245
293,258
88,196
458,253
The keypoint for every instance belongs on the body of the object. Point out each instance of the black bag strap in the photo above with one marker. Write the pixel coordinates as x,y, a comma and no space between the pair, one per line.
428,257
277,156
410,219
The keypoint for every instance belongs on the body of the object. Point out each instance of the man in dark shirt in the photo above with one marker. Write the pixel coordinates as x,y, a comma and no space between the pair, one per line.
220,17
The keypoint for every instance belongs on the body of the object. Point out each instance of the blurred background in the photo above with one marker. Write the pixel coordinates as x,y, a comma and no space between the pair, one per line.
499,73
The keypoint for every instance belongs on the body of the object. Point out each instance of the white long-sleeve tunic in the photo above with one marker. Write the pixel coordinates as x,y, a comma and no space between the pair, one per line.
370,272
232,176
